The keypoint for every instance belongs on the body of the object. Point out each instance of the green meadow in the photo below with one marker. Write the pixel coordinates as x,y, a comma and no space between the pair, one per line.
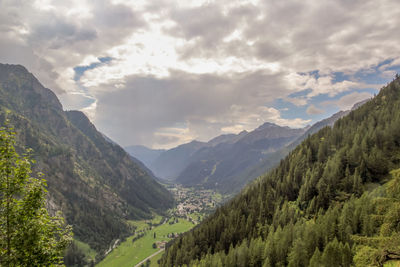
130,253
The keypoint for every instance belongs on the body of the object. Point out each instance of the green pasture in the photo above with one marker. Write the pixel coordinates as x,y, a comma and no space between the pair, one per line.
130,253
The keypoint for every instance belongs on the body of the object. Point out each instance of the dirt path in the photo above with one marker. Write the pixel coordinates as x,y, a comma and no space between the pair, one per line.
143,261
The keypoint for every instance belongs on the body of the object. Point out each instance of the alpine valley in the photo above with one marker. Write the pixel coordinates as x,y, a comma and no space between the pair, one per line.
326,194
228,162
93,181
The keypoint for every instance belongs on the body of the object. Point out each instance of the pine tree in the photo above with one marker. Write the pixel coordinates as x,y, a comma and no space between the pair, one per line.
332,254
315,260
29,236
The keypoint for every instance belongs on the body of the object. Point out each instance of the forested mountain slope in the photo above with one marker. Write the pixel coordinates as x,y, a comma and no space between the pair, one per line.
94,182
333,201
271,160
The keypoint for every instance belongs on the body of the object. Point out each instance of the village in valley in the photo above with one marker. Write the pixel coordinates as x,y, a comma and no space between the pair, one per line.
193,203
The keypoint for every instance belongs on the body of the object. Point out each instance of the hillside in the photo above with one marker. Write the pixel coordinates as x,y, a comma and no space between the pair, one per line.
214,166
272,160
92,181
228,162
333,201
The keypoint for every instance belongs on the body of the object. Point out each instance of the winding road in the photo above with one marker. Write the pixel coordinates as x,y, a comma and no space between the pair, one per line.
152,255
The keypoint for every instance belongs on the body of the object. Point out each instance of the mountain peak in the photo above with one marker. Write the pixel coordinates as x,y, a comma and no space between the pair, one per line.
23,91
270,125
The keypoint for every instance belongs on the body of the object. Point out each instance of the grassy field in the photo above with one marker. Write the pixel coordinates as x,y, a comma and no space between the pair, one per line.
144,224
196,216
130,253
153,261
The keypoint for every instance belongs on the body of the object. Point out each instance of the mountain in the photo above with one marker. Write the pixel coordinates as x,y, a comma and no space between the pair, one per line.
144,154
228,162
226,138
319,125
272,159
332,201
94,182
170,163
214,166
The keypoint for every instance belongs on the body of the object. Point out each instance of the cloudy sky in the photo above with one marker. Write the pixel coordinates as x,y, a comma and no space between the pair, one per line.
161,73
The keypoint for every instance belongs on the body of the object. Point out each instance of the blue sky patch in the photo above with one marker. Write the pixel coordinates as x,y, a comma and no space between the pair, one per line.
374,76
80,70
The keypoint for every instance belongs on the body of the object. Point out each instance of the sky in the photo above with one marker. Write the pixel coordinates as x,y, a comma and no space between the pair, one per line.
161,73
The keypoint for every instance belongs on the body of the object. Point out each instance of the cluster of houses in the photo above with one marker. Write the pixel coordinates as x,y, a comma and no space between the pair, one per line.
192,200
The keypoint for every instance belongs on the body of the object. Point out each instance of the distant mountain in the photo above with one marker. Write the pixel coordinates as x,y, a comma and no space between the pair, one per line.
228,162
216,163
144,154
272,159
211,164
226,138
359,104
332,201
93,181
170,163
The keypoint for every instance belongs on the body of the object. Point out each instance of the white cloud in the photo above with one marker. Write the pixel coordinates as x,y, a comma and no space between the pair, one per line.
274,115
313,110
320,85
346,102
214,66
171,136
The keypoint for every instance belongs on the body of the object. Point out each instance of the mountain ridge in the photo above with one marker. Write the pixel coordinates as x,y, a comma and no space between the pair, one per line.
203,161
95,183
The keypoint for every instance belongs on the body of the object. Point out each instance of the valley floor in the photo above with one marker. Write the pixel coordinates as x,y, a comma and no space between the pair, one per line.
150,236
139,246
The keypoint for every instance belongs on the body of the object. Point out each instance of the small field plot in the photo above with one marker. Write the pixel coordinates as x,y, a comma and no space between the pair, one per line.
130,252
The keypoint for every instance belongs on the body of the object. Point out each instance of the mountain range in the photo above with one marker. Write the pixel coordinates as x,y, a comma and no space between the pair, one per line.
228,162
93,181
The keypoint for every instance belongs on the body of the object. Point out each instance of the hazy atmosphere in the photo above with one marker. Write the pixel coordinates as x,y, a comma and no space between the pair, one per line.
161,73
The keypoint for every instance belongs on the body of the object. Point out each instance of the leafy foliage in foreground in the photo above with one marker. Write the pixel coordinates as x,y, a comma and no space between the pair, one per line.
29,236
331,202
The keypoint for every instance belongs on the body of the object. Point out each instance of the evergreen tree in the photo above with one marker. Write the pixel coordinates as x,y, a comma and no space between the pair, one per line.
315,260
29,236
332,254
